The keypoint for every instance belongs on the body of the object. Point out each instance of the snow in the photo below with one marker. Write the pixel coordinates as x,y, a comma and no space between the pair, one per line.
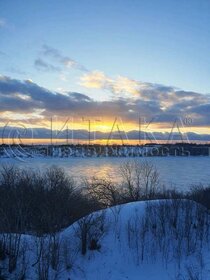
116,260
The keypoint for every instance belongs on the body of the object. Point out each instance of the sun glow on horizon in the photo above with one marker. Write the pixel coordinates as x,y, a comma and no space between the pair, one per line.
115,125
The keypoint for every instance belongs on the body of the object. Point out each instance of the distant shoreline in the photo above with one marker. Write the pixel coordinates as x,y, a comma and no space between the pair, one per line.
97,150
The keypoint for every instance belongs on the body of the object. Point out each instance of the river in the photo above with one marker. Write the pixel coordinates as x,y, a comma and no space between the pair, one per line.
175,172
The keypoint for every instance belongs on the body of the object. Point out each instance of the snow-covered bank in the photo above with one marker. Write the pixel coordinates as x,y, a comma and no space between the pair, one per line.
158,240
66,151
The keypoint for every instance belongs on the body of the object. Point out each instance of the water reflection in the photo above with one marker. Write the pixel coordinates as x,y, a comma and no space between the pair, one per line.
181,172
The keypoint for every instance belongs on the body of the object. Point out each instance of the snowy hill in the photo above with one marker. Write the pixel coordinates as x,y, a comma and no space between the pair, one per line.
158,240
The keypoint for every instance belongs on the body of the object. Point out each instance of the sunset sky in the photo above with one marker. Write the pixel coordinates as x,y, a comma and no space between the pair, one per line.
100,60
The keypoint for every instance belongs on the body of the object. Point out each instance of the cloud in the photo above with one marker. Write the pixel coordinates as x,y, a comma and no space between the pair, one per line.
16,70
95,79
41,65
45,133
163,103
169,100
65,61
120,85
37,97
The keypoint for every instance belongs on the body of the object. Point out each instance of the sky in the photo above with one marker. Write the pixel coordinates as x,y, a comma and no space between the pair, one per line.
105,59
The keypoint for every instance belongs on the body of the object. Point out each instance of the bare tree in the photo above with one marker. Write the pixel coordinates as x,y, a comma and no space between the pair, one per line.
104,191
140,180
42,262
90,229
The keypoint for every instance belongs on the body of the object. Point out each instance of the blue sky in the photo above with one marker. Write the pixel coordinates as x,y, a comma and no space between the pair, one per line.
166,42
109,50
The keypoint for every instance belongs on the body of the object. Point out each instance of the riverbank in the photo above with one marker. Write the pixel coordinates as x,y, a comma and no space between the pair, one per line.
65,151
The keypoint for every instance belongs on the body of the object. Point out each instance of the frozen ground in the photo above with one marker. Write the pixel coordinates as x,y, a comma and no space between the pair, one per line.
134,245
